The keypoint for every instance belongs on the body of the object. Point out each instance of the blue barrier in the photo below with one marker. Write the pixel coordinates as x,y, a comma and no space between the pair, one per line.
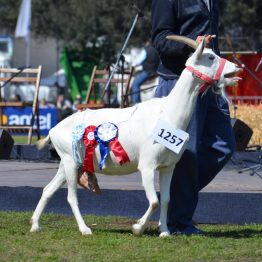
22,116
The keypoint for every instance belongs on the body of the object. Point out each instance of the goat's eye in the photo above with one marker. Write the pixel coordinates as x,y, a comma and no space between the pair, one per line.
211,57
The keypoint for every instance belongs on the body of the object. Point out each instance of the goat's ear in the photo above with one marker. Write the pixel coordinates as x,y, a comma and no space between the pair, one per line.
200,48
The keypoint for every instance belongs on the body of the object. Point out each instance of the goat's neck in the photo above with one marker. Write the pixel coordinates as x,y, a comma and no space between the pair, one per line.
180,103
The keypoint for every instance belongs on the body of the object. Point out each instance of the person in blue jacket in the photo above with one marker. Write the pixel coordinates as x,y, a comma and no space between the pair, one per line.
149,60
211,141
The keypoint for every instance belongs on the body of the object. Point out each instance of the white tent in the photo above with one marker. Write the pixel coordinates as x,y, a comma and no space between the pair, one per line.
54,79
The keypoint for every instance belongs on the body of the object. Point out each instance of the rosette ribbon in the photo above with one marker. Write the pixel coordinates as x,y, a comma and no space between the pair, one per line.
90,143
77,134
106,136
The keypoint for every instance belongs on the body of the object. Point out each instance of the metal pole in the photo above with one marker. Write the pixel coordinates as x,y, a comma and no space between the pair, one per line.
248,70
121,53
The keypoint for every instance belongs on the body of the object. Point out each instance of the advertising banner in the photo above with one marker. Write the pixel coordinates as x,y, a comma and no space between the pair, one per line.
22,116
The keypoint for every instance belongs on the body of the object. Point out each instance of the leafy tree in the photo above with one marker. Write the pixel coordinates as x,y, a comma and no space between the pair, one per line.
98,25
8,13
242,19
101,26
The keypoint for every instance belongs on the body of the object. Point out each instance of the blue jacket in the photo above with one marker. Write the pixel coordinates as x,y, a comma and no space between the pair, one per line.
189,18
151,63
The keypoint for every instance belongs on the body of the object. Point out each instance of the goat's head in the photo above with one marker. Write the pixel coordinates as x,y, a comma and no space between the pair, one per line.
208,66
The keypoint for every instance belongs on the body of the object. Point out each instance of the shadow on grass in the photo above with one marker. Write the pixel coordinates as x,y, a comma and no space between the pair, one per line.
243,233
213,233
147,232
234,234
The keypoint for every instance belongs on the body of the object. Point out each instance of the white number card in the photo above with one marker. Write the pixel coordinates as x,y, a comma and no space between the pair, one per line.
170,137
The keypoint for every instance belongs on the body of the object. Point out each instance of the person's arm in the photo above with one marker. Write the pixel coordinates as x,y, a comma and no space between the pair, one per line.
140,58
164,23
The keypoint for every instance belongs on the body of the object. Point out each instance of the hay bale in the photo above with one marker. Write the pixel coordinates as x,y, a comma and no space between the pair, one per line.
252,116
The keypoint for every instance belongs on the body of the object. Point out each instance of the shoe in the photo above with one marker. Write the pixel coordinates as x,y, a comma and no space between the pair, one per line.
188,231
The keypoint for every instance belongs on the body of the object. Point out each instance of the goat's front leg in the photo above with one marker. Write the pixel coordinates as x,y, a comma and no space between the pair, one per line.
71,177
148,183
48,192
165,177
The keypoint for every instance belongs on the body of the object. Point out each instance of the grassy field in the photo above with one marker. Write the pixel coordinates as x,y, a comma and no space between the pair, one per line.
23,139
112,240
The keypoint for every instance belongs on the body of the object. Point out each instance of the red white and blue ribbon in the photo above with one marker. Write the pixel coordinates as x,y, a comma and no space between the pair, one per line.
90,143
106,135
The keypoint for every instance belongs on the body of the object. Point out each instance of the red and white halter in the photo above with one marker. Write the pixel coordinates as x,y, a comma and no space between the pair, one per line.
207,79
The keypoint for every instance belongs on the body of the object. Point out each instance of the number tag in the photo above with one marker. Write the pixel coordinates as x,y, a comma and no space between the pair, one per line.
170,137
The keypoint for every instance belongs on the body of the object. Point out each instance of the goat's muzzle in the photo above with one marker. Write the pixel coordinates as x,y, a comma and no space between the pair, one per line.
234,74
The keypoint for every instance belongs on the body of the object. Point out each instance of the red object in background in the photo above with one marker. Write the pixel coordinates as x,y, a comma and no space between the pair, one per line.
248,90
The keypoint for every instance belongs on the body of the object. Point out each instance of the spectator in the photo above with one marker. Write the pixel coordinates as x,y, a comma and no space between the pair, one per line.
45,104
149,59
64,107
15,98
78,101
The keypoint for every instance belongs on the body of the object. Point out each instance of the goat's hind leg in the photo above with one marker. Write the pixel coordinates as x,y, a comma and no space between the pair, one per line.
71,178
48,192
148,183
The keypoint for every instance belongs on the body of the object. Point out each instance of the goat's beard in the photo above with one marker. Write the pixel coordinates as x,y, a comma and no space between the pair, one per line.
221,90
224,94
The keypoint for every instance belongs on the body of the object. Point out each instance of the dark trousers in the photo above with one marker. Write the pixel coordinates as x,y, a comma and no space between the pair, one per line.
210,146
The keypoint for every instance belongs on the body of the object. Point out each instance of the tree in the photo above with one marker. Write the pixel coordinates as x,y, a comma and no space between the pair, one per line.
242,19
101,26
98,25
9,14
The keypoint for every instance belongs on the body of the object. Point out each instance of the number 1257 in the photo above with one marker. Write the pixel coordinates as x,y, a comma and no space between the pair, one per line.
170,138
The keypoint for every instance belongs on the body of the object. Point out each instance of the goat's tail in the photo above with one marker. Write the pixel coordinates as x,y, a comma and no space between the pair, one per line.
42,142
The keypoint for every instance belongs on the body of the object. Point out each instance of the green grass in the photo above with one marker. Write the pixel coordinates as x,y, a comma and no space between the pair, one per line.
23,139
112,240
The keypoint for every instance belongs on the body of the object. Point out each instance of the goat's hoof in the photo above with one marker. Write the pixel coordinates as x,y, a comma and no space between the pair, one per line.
164,234
137,229
87,231
35,228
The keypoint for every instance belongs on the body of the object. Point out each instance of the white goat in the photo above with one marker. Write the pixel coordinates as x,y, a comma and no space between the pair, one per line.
135,127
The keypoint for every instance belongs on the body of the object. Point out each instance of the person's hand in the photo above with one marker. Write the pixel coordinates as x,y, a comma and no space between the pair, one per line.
208,39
